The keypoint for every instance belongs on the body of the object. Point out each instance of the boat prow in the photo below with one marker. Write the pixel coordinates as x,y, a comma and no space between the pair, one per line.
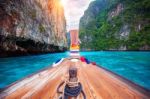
97,83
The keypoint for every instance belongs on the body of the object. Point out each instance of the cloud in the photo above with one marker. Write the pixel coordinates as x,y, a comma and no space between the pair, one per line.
74,10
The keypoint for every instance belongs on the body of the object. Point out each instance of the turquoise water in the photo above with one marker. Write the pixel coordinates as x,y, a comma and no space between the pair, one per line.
15,68
134,66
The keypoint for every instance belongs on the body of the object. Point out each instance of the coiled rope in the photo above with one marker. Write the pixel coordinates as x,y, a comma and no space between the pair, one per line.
72,86
73,91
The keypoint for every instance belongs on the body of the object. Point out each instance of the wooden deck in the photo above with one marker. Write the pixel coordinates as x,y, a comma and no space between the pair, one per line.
97,83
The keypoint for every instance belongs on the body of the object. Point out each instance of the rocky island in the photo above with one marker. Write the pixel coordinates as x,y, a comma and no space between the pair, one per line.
31,27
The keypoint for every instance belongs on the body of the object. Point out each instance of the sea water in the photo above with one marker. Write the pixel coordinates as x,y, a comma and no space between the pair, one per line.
134,66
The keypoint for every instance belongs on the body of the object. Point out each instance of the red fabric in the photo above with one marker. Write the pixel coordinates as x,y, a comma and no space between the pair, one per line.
82,59
74,45
93,63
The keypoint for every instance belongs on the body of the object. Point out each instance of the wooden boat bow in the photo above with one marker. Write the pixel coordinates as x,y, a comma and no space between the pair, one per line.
97,82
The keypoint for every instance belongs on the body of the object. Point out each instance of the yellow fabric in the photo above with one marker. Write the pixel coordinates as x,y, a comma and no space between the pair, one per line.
75,47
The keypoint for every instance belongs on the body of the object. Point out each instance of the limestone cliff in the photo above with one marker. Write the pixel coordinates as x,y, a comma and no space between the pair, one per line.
116,25
31,27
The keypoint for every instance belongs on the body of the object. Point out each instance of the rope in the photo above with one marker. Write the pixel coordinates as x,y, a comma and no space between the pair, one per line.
72,86
72,83
58,91
73,91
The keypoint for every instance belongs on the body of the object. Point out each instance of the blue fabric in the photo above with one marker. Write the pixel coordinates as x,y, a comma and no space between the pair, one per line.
73,92
87,61
57,60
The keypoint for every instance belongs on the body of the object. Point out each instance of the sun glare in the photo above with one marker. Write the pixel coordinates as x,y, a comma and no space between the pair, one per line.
63,2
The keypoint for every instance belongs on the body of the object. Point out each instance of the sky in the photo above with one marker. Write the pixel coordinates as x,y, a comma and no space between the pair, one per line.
74,10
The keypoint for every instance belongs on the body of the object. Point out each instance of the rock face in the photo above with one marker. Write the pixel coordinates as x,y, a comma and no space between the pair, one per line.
116,25
31,27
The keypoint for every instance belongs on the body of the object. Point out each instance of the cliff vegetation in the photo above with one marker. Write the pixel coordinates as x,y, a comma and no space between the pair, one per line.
116,25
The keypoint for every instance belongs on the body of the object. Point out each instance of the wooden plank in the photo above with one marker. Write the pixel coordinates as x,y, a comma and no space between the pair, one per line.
49,90
104,88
